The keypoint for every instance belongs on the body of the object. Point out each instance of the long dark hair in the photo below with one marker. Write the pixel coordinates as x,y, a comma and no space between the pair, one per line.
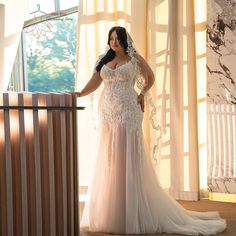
122,36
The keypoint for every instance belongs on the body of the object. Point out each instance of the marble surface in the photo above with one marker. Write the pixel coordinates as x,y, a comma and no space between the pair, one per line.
221,87
221,51
222,185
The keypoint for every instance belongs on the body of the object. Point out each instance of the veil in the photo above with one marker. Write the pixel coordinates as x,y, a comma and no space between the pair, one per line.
131,50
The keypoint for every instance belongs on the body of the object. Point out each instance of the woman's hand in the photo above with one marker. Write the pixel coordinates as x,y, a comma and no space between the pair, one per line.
77,94
141,101
91,86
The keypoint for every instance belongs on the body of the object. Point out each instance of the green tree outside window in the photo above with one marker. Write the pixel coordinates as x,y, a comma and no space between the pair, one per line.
51,59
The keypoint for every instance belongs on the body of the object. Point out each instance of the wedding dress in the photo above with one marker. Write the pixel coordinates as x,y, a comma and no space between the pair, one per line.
125,196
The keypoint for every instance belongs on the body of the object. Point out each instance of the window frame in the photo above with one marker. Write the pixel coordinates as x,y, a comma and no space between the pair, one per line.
19,81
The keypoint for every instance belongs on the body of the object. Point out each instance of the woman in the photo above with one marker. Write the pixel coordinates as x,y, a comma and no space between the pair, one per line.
125,196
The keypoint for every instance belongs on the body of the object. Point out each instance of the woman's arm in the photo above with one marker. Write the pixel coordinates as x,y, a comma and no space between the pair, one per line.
91,86
147,74
149,78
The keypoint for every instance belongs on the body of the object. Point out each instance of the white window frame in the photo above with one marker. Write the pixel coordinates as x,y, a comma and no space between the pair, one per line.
19,80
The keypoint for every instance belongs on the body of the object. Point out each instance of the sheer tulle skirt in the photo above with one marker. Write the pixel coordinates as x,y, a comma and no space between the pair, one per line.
125,196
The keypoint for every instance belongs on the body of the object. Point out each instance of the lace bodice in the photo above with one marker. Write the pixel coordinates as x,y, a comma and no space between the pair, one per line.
118,103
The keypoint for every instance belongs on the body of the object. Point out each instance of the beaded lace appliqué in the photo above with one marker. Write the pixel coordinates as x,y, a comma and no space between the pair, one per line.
118,103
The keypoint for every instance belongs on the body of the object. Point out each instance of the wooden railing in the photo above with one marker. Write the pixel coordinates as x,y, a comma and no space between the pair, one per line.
38,165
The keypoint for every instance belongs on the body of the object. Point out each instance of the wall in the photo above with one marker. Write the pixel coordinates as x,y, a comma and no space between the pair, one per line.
221,94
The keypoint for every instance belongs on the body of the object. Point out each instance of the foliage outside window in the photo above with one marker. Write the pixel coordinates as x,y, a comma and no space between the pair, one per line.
51,56
46,57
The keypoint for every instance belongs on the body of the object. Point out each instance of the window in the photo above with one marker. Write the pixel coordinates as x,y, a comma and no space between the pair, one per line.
48,47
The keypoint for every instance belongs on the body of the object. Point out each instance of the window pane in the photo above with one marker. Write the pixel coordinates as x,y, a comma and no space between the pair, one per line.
51,56
65,4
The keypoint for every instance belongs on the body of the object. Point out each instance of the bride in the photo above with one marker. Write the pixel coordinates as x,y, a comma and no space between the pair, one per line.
125,196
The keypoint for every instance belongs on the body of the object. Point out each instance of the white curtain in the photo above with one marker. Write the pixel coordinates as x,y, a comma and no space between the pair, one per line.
171,36
12,16
176,121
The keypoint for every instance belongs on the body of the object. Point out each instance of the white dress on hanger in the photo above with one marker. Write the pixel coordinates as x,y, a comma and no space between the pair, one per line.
125,196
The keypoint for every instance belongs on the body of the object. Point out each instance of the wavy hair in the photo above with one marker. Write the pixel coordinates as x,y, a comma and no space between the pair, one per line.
109,56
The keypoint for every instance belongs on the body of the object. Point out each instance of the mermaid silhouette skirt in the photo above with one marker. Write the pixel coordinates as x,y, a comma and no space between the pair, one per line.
125,196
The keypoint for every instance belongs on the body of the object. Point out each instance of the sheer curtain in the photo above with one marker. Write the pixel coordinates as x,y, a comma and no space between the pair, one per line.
10,31
176,121
171,37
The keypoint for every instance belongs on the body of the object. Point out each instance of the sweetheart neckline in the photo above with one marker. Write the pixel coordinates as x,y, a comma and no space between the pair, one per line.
118,66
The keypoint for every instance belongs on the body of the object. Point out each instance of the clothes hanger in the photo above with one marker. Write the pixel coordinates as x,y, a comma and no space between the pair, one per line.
41,29
38,10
